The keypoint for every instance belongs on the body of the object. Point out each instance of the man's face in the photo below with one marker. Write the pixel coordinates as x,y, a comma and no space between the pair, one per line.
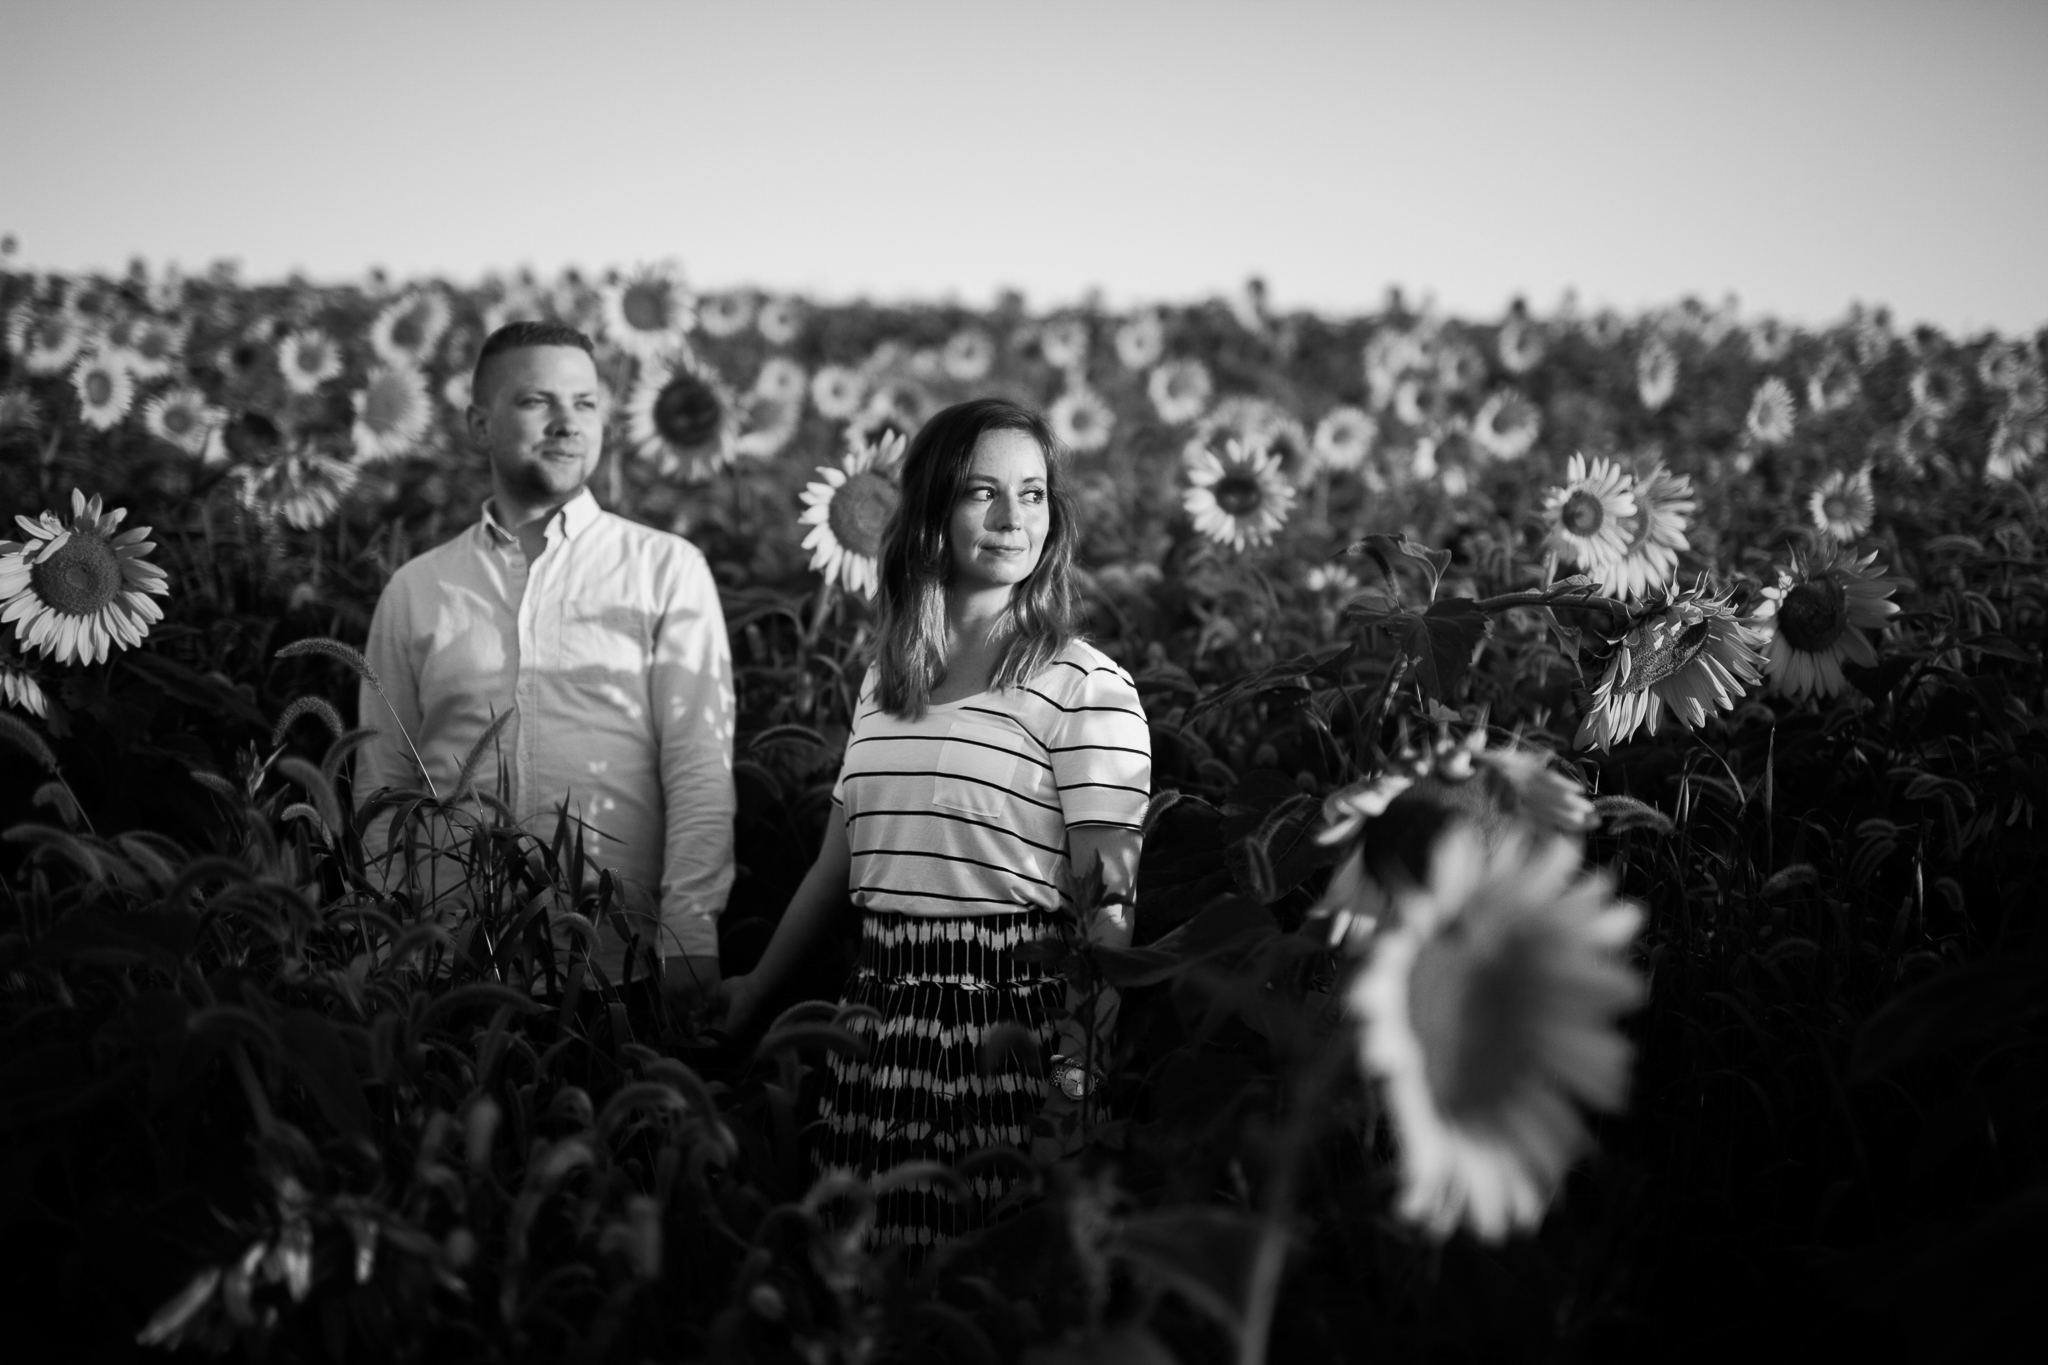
541,420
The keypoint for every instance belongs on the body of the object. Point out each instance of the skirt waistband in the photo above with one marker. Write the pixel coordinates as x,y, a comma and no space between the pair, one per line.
966,952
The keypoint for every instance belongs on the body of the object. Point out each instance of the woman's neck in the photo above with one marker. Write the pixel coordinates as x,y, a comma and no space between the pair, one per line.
973,642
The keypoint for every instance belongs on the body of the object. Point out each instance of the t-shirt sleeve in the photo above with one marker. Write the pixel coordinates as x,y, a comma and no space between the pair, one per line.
864,702
1101,749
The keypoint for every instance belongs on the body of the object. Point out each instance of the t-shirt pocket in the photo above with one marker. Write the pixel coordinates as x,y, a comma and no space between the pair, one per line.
977,771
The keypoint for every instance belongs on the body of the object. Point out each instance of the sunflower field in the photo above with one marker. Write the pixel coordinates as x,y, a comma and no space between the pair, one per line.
1591,899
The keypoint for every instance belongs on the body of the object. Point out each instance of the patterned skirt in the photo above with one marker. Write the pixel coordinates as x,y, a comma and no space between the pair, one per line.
925,1092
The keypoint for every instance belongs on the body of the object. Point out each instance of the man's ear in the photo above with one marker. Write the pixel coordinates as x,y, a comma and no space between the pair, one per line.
478,422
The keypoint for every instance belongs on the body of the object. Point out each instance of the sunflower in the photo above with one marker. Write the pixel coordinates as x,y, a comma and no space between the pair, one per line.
1140,341
1656,533
19,686
308,359
1771,413
150,347
1682,655
726,315
772,410
1412,403
1833,385
1656,373
1460,368
81,590
301,488
1344,438
1768,340
1817,615
1179,390
849,508
1843,505
1520,345
2016,442
1589,515
1506,425
1257,421
837,391
409,328
105,388
1937,390
182,417
648,313
781,377
682,416
46,342
1064,343
1239,499
779,321
969,354
392,413
1334,579
1487,1012
2006,365
1390,355
1081,420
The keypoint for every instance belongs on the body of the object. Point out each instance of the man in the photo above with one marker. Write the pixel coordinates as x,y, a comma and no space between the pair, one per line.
603,639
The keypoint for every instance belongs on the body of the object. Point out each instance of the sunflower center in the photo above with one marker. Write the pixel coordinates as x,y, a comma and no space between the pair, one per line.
51,334
99,387
1583,513
1239,494
152,344
82,577
860,511
312,358
686,412
1813,614
1834,509
408,331
1661,660
1471,1013
386,405
178,421
645,307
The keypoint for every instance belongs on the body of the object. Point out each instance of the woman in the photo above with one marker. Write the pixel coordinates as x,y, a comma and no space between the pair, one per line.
995,757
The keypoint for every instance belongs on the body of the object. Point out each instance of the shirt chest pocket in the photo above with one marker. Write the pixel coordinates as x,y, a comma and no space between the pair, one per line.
977,771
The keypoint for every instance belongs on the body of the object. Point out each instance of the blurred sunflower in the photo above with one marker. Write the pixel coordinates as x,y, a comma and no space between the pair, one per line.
647,314
1460,368
182,417
1844,504
1656,372
19,686
308,358
1816,617
2008,365
781,377
1937,390
1691,651
393,413
1081,420
19,411
1519,345
969,354
150,346
105,388
837,391
1506,425
80,590
1589,514
1769,340
1771,413
46,342
1140,341
301,488
1064,343
1391,353
1664,508
407,331
1261,422
1487,1012
779,321
457,391
1344,438
682,416
1833,385
726,315
849,509
1179,390
1239,499
2016,442
1412,403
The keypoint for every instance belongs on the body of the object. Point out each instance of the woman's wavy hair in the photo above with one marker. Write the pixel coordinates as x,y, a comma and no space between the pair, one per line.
917,563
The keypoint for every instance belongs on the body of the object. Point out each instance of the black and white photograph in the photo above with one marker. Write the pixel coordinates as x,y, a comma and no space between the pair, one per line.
1019,682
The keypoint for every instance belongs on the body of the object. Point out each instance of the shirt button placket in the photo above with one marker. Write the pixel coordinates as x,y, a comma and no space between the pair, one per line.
522,685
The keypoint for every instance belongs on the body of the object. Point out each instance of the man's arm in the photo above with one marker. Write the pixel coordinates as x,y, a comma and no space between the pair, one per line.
691,690
386,758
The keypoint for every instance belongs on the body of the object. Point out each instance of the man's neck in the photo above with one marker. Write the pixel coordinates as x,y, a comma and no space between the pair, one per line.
527,522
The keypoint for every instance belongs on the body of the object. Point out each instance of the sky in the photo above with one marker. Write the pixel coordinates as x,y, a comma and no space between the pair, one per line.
1799,154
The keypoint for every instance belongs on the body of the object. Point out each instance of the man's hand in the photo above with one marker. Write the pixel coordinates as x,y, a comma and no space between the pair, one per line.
689,983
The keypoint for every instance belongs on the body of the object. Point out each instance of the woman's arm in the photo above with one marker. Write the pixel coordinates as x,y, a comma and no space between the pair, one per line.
809,911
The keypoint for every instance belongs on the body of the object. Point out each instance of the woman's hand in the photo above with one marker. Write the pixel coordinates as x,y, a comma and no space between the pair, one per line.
740,997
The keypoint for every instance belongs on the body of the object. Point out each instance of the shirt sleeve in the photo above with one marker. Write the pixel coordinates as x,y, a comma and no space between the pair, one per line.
1101,749
391,708
691,696
863,701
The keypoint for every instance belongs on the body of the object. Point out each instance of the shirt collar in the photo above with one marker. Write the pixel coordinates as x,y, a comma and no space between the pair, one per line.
575,515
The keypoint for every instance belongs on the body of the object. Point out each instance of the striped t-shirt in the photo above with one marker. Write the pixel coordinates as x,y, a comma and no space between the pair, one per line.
966,811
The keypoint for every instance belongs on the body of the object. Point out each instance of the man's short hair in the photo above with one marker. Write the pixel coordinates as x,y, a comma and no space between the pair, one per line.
520,336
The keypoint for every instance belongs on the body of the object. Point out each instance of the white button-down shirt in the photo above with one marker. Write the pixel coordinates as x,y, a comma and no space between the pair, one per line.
610,650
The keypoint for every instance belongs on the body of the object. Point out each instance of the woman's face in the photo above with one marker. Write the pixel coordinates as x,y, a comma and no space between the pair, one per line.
998,527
